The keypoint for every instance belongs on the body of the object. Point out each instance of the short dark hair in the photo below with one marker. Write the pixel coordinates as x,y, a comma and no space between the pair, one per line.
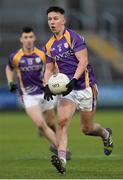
55,9
27,29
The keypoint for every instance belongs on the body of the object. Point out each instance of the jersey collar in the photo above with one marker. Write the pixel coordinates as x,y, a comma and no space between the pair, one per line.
61,35
32,52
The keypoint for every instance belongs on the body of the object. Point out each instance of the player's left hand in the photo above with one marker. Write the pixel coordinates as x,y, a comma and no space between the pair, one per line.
47,93
70,86
12,86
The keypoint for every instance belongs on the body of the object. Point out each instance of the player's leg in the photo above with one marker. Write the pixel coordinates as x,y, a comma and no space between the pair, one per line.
50,119
66,109
49,116
34,112
89,127
47,108
94,129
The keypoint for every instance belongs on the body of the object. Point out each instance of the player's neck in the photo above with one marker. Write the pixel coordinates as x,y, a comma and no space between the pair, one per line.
28,51
60,33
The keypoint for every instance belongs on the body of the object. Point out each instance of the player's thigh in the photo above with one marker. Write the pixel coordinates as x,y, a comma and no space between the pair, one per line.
87,116
34,112
65,110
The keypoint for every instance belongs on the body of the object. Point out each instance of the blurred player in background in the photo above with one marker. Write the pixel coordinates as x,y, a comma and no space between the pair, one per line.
68,50
29,64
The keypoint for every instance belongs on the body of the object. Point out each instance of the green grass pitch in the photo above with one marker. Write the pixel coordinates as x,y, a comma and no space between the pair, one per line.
25,155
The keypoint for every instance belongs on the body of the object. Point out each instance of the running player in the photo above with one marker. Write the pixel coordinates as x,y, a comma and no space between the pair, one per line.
29,64
68,50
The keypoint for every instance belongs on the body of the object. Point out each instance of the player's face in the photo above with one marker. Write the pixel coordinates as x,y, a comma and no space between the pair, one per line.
56,22
27,40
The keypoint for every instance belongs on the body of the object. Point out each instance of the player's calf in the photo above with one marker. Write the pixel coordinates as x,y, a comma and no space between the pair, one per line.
87,130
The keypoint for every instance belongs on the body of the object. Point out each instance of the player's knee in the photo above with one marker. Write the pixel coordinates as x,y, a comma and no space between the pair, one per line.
62,122
87,130
41,124
50,120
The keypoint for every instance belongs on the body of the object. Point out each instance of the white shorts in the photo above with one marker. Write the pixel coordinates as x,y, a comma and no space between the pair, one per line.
34,100
84,99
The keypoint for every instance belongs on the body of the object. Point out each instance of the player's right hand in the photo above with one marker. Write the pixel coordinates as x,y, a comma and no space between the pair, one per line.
47,93
12,87
70,86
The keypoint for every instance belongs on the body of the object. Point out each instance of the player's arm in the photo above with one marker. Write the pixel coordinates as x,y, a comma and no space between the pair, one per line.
82,57
9,74
50,67
80,51
56,69
10,78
